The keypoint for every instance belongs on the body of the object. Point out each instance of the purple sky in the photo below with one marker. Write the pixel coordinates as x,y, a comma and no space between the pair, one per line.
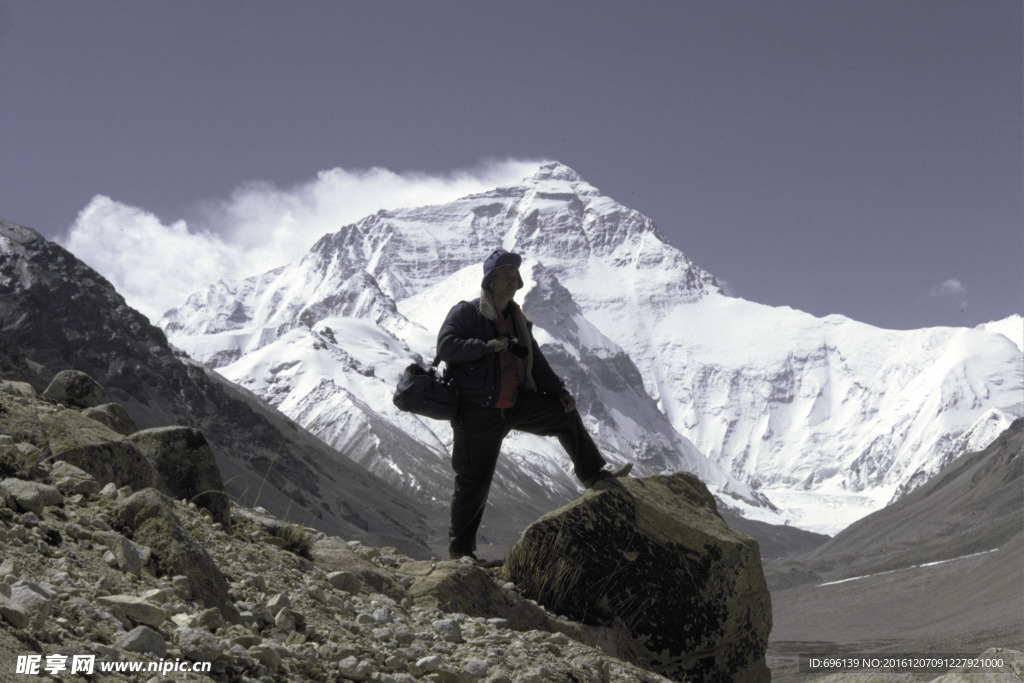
861,158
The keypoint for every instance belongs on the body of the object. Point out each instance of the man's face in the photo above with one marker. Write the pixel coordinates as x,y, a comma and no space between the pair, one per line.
505,282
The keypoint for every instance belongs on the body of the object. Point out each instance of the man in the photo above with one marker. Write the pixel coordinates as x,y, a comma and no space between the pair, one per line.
504,383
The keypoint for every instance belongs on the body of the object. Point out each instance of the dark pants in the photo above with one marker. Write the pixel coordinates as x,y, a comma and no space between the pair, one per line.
478,433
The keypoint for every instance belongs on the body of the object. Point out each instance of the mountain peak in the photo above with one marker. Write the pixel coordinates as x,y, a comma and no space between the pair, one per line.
555,170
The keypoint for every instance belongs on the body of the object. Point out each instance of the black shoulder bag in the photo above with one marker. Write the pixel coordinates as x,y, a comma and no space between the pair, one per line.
422,392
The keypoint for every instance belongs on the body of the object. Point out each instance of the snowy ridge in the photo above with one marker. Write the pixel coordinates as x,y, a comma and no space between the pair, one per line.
1012,328
827,417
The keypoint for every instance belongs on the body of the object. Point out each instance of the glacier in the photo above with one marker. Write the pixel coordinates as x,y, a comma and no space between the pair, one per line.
788,417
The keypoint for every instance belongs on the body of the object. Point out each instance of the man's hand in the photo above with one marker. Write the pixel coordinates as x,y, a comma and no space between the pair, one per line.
500,344
568,402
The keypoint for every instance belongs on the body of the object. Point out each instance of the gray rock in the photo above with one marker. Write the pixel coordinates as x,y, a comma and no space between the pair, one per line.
236,655
185,466
448,630
317,593
468,589
278,602
22,459
286,619
36,600
114,416
182,586
129,556
334,555
345,581
7,500
142,639
658,559
210,619
71,480
31,496
476,668
76,389
138,610
429,664
157,596
23,389
198,645
356,669
267,656
13,613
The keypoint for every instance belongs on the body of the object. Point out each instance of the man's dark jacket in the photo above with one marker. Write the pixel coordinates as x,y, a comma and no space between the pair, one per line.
465,344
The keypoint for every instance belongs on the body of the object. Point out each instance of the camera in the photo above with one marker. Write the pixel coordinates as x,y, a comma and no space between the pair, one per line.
515,348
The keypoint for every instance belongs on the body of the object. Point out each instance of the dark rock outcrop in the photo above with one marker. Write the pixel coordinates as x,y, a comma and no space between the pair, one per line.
660,563
155,525
185,467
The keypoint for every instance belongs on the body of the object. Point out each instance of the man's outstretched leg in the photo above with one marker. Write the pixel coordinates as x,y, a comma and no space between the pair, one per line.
545,416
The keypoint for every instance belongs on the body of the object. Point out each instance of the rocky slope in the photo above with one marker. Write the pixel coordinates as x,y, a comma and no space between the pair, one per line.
57,313
137,577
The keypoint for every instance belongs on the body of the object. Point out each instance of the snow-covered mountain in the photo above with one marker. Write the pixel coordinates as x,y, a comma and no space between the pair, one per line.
1012,328
826,417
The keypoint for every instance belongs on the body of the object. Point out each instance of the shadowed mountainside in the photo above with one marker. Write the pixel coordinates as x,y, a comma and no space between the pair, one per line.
56,313
940,570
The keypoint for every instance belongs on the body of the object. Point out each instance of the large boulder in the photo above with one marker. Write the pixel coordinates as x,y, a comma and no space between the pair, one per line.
659,561
76,389
185,466
96,449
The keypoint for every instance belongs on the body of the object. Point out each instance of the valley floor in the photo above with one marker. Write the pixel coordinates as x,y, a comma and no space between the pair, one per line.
963,606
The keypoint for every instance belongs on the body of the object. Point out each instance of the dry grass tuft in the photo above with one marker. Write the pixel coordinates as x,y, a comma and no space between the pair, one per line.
297,539
545,572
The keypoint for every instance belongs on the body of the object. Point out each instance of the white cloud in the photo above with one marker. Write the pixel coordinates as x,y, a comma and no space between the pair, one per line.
149,263
952,289
259,227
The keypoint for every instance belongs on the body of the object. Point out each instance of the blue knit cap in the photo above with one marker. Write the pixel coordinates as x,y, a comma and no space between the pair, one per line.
497,259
